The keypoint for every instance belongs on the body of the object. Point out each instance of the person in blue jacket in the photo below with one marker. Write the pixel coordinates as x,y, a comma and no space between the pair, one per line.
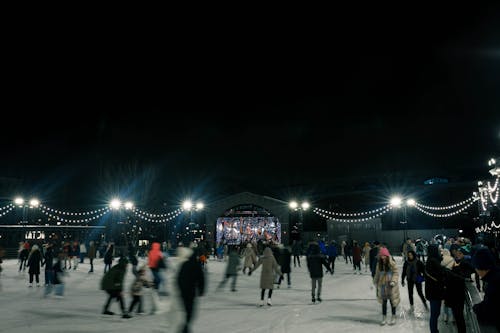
331,252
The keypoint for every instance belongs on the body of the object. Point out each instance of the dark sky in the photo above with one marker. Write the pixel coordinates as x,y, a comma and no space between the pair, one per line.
223,108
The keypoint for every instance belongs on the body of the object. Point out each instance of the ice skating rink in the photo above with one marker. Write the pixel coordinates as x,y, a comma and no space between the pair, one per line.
349,305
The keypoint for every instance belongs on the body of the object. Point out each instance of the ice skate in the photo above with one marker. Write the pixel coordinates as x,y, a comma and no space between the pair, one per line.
269,302
393,320
313,300
384,320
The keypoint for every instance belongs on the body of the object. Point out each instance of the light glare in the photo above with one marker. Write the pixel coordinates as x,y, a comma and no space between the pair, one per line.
187,205
200,205
34,202
115,204
18,201
305,205
129,205
396,201
294,205
411,202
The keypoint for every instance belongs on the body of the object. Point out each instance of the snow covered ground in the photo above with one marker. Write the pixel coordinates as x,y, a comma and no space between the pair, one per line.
349,305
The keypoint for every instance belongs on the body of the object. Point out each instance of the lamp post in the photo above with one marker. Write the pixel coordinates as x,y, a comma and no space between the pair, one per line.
300,208
189,206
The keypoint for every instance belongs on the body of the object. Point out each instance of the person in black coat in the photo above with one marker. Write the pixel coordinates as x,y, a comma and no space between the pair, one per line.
23,257
34,262
285,260
374,257
191,282
413,271
487,311
108,257
132,258
434,285
315,261
454,294
48,262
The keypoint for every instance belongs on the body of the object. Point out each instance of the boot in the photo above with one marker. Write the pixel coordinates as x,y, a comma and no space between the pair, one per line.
126,316
384,320
261,303
269,302
319,298
393,320
313,299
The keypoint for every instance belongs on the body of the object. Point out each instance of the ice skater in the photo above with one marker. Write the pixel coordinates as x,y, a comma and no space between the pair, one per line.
250,258
136,289
315,261
232,268
386,282
34,262
112,283
269,268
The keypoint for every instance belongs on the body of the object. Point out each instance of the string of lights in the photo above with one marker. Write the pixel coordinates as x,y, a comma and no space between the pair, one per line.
61,212
7,207
172,215
6,210
368,212
447,214
151,215
492,189
459,204
71,220
380,213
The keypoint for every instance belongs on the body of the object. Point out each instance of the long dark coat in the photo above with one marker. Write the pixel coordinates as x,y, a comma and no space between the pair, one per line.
34,261
285,259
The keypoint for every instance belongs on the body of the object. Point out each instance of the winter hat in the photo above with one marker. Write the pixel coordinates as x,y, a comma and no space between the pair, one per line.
464,249
483,259
384,252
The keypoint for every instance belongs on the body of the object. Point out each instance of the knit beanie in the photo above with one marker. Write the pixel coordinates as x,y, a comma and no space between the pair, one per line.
483,259
384,252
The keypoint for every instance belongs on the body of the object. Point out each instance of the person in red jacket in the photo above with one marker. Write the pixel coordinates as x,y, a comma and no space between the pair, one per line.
155,263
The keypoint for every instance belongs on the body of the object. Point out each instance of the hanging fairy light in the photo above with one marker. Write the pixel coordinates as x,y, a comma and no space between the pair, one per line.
446,214
459,204
379,212
368,212
62,212
170,216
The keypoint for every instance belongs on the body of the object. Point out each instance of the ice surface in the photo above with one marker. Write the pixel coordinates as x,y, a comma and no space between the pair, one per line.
349,305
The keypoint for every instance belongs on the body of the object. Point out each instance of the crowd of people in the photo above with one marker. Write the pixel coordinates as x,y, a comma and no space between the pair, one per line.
438,273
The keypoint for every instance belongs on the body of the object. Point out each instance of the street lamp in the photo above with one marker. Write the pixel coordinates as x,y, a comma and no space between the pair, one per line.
397,202
115,204
19,201
187,205
129,205
34,203
293,204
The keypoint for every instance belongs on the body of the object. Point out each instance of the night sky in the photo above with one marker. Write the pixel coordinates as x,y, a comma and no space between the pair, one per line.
265,109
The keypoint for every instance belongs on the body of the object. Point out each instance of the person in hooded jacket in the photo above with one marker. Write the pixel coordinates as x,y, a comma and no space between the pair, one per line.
434,285
315,261
386,281
34,262
155,263
23,257
269,268
112,283
250,258
413,271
